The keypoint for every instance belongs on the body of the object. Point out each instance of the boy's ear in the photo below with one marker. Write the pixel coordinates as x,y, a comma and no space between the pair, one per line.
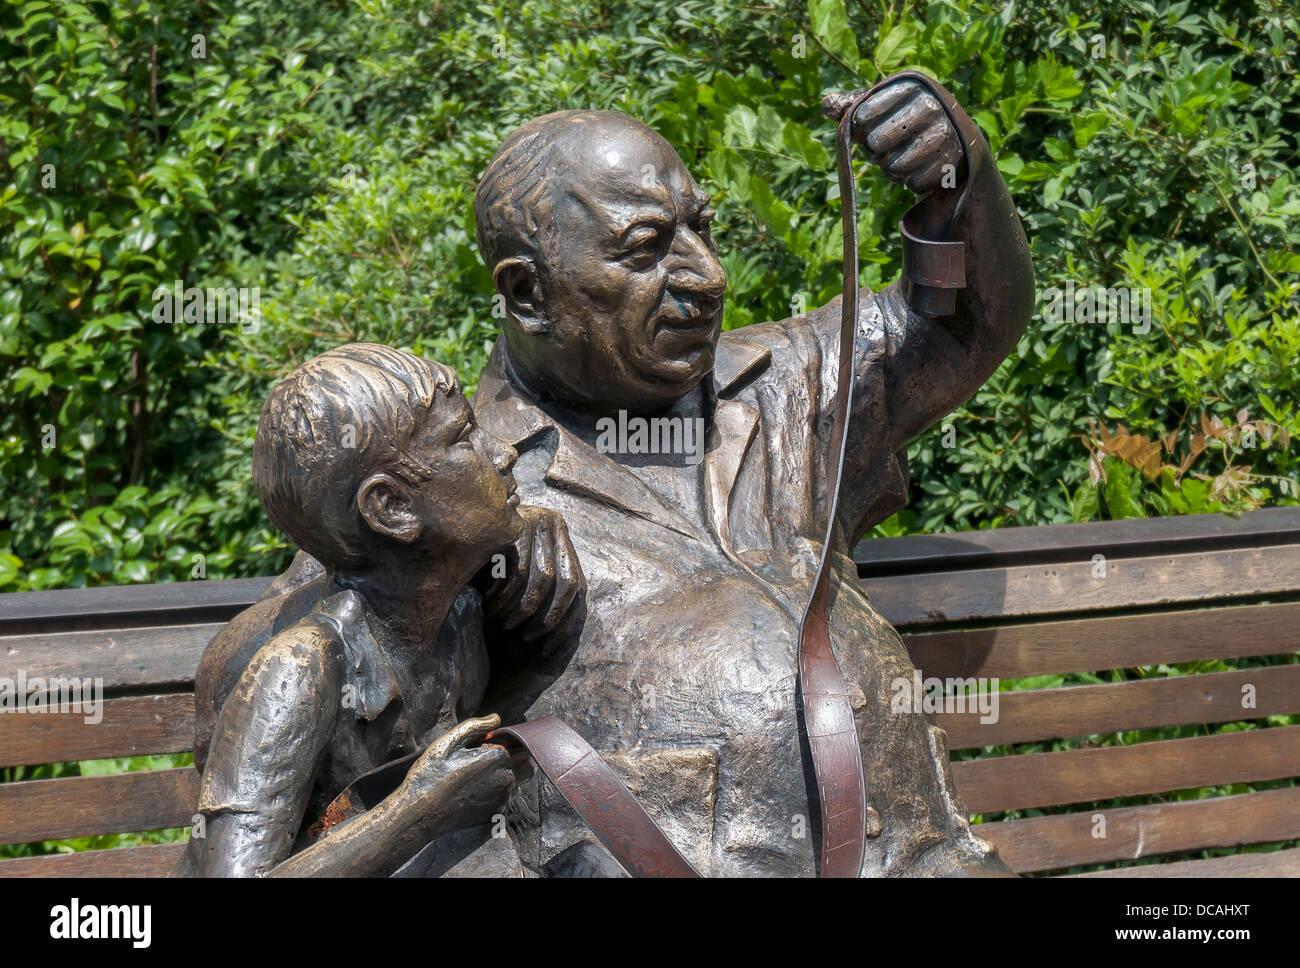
385,505
518,282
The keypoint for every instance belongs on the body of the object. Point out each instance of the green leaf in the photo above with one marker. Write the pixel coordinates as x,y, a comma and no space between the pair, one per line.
800,142
896,44
742,126
1119,490
830,23
1087,125
1084,503
1058,80
136,571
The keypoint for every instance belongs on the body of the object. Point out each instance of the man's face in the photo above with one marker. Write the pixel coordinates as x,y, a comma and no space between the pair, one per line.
633,294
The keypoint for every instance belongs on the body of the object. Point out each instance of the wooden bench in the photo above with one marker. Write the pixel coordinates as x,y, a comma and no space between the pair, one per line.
1010,604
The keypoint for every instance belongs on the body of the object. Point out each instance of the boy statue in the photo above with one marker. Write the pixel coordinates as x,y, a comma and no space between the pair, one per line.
371,460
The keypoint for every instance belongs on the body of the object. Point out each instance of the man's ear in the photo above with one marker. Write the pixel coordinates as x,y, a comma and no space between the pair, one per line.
385,505
520,285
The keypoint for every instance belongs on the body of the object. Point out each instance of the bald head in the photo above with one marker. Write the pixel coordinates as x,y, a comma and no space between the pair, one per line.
598,241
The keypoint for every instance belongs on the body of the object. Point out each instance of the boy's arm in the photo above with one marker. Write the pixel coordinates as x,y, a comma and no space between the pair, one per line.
447,788
268,744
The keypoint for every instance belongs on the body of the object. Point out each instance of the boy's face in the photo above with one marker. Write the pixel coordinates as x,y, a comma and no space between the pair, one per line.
469,501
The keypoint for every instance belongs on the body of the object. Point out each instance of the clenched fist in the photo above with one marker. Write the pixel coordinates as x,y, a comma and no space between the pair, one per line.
907,133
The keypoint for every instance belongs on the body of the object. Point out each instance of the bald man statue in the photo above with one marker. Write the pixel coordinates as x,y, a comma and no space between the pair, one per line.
691,468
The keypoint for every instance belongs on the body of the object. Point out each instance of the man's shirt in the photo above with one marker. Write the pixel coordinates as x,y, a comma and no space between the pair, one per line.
684,674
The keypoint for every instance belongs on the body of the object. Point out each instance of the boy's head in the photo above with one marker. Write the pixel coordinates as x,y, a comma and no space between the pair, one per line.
365,445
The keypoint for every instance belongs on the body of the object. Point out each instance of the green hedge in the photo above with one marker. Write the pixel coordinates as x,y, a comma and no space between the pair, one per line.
326,154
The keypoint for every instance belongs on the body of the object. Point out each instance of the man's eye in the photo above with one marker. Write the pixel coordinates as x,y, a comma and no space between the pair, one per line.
644,250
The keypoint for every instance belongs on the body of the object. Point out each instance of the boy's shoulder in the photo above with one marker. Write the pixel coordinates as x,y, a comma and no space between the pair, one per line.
331,643
240,641
306,657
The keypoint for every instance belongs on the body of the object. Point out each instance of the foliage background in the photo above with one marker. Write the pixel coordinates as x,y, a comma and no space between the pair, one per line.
327,152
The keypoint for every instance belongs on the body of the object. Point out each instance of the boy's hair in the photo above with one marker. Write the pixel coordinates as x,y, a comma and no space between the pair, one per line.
329,425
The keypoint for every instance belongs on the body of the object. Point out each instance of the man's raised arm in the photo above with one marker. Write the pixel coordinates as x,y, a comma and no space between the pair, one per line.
932,360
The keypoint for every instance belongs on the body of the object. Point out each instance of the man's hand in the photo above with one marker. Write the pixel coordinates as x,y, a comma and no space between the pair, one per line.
543,577
906,132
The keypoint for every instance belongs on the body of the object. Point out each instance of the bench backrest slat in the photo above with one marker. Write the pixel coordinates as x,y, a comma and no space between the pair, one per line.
128,606
1130,538
1277,863
166,655
152,860
84,806
1076,839
1061,588
1110,642
1088,775
1077,711
131,726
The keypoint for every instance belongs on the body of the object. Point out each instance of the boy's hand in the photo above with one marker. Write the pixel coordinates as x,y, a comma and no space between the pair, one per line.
460,787
543,581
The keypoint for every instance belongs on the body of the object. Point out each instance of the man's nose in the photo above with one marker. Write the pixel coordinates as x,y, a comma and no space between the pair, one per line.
693,268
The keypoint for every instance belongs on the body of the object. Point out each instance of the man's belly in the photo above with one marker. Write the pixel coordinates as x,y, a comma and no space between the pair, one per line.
688,689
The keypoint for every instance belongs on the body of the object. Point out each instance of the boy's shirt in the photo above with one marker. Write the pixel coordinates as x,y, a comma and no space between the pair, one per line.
326,704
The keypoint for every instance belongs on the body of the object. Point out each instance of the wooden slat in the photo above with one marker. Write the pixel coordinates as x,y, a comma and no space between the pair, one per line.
1112,642
1067,840
84,806
1140,704
118,606
134,726
1275,863
916,601
164,656
1186,534
896,555
1080,776
152,860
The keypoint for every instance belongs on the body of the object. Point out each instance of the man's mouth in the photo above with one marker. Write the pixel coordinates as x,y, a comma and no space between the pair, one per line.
690,314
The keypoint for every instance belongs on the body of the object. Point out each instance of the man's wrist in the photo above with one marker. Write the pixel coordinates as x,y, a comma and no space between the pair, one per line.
933,271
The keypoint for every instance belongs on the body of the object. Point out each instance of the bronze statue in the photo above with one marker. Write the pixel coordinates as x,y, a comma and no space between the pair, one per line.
371,460
698,574
697,473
